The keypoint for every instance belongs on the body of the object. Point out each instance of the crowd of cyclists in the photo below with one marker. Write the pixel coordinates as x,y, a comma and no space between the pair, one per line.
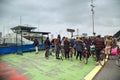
82,47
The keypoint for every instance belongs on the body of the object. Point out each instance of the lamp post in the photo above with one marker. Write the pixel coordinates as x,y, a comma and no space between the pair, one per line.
92,10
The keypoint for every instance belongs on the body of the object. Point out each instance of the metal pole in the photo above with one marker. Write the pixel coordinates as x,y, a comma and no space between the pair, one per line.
16,42
92,9
21,44
93,21
20,20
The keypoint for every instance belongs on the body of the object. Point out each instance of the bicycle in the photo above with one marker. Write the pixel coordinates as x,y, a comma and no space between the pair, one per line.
86,55
102,56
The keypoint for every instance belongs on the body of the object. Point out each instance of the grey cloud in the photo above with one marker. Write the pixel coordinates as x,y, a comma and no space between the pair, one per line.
62,13
74,11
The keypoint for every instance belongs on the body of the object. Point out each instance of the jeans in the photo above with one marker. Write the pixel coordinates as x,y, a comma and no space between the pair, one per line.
98,55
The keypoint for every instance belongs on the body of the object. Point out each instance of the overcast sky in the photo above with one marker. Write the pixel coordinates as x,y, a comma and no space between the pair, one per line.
56,16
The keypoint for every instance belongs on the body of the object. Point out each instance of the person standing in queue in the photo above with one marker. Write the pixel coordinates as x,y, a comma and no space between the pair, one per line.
80,48
58,46
108,45
99,46
36,45
47,47
66,48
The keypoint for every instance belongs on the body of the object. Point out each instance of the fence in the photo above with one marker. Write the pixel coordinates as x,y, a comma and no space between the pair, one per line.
14,49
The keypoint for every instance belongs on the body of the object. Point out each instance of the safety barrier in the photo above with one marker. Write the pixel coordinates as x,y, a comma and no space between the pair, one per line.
13,49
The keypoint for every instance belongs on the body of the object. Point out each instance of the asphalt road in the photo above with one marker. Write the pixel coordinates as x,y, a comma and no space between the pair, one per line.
110,71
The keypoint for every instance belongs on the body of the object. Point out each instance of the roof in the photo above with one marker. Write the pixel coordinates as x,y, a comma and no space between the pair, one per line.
22,28
27,29
117,34
43,33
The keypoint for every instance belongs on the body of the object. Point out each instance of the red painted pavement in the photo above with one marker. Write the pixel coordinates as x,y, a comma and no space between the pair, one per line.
7,73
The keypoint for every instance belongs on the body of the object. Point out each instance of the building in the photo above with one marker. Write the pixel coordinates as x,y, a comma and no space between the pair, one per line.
117,35
24,35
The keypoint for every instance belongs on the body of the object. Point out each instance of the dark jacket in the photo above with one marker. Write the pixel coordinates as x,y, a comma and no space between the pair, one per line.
58,45
66,46
99,43
79,46
47,43
71,42
36,43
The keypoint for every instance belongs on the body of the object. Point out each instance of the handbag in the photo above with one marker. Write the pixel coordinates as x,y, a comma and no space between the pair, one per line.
114,51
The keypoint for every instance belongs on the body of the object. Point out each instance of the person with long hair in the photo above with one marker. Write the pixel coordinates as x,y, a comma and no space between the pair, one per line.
108,45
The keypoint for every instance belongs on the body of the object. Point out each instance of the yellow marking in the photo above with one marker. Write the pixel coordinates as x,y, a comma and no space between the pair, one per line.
91,75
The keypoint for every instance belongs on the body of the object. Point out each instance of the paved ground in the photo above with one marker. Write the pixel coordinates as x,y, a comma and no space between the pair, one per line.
37,67
109,72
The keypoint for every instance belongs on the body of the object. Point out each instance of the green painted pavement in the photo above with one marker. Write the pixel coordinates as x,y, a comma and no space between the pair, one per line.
37,67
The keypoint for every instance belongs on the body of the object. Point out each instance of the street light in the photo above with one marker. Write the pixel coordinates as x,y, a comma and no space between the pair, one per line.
92,10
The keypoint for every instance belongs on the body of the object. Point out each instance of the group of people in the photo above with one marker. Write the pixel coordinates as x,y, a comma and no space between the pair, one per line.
79,47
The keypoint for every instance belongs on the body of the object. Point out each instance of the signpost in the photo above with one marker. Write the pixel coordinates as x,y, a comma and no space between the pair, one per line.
71,31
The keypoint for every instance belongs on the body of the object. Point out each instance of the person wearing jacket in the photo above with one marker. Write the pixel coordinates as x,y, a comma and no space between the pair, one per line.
58,46
79,48
75,41
47,47
66,48
99,46
36,45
